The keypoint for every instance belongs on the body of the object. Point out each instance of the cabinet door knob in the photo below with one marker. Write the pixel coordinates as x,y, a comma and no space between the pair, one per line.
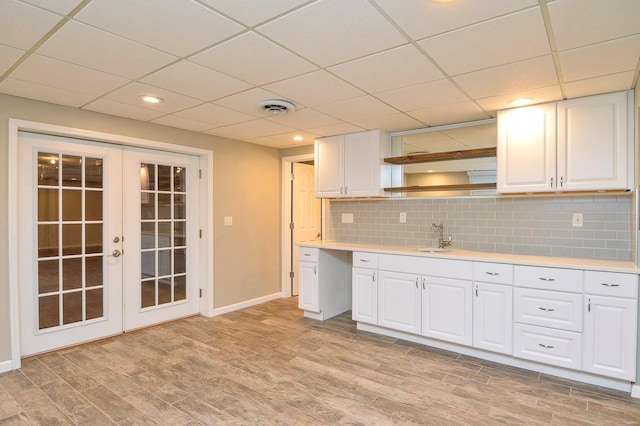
417,282
315,270
551,184
374,277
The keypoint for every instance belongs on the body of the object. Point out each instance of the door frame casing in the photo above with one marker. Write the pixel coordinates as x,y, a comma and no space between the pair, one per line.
286,209
206,210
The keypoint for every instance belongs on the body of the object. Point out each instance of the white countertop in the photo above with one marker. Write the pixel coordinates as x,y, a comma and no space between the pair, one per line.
521,259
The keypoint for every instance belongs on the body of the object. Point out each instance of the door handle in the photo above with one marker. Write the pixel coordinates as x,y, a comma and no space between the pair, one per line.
116,253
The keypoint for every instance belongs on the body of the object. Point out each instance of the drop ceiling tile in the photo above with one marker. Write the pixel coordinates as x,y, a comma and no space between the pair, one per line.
598,21
316,88
421,96
305,118
393,69
285,140
132,93
214,114
106,106
246,101
271,142
604,84
250,130
66,76
180,28
97,49
357,108
509,78
173,120
195,81
252,58
391,123
326,32
542,95
251,12
448,114
26,89
336,129
600,59
62,7
510,38
8,57
420,18
22,25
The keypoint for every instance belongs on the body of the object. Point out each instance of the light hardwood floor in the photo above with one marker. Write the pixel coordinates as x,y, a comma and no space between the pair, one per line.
269,365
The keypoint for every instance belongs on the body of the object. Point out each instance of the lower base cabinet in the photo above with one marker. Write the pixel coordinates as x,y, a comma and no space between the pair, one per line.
365,295
399,301
492,317
309,298
446,309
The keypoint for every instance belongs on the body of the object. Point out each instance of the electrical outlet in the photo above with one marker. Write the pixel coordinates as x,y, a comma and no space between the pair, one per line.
347,217
577,220
403,217
228,221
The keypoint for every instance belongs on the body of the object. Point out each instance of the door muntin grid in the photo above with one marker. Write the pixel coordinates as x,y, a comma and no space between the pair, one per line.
70,259
163,227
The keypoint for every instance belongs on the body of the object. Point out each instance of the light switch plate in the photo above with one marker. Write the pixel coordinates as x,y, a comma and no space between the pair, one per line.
228,221
403,217
347,217
577,220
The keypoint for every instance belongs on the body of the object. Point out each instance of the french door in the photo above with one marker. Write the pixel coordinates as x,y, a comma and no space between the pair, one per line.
107,239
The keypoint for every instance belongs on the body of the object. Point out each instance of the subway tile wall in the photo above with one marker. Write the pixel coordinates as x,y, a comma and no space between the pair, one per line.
525,225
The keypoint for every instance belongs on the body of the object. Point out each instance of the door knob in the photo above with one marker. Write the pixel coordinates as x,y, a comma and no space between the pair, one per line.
116,253
116,239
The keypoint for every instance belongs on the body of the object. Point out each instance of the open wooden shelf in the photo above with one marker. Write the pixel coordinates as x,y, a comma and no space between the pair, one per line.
459,187
443,156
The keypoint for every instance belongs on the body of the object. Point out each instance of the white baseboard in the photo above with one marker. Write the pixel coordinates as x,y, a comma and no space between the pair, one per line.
635,391
247,303
6,366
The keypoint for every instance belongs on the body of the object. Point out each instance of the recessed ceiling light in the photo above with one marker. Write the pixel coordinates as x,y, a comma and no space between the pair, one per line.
520,102
152,99
298,138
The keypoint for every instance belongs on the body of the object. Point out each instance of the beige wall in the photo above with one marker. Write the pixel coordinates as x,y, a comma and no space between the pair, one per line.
246,185
298,150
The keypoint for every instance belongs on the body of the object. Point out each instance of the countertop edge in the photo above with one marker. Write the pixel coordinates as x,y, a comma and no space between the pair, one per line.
457,254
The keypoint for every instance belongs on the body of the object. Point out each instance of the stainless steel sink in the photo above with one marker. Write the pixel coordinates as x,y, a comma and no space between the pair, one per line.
433,249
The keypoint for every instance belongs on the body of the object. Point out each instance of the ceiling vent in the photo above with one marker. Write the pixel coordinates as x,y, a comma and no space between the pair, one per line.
276,107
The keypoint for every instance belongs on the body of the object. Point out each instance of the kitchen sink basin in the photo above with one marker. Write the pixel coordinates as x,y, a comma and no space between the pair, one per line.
434,249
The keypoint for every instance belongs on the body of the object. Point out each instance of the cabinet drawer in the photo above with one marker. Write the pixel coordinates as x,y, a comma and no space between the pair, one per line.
611,284
548,278
548,308
498,273
555,347
308,254
363,259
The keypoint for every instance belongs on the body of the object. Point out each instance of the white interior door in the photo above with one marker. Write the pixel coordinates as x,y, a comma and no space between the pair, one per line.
161,227
70,213
306,212
108,239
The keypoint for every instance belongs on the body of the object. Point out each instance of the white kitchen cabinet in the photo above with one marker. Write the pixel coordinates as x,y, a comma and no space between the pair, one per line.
352,165
308,297
399,301
492,317
447,310
610,324
365,295
582,144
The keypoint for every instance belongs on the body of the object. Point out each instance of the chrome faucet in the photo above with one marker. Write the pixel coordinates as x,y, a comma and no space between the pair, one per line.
442,243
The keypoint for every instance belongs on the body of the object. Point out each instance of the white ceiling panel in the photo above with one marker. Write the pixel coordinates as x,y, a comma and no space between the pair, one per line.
252,12
251,129
286,139
448,114
132,94
336,129
598,21
173,120
544,94
62,7
107,106
315,88
327,33
305,118
600,59
8,56
195,81
509,78
66,76
26,89
486,45
246,101
22,25
607,83
420,18
193,26
93,48
357,108
391,123
426,95
261,61
214,114
392,69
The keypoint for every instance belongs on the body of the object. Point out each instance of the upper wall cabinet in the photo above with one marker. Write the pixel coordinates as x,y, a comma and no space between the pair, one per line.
352,165
582,144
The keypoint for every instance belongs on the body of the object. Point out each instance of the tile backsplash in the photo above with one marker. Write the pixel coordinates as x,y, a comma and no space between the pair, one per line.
523,225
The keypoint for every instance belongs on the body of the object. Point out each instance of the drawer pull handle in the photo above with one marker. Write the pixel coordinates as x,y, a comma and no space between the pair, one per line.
546,309
546,279
307,254
364,260
492,273
610,285
545,346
